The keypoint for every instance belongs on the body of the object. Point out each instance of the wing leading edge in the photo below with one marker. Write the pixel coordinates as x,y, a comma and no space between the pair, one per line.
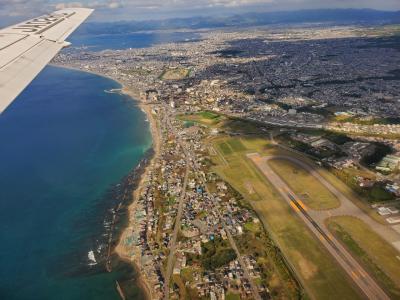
26,48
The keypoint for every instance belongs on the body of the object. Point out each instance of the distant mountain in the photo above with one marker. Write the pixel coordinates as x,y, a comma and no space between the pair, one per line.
333,16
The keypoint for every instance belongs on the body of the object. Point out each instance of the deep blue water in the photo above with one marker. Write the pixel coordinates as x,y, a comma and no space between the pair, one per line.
129,40
64,143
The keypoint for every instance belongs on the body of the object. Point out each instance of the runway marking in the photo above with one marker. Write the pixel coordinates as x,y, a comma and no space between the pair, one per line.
294,207
354,275
303,206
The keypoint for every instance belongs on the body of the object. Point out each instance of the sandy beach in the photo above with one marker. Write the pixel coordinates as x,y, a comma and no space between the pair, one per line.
121,249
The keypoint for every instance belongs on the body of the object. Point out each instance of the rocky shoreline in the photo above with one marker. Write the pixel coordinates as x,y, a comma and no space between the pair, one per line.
124,251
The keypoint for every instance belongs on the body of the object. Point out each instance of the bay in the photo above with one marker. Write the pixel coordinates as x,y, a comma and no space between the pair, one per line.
99,42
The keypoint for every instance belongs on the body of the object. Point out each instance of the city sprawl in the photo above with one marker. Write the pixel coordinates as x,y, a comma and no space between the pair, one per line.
216,215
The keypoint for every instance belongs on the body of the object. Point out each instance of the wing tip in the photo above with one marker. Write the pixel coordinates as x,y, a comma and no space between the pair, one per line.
85,10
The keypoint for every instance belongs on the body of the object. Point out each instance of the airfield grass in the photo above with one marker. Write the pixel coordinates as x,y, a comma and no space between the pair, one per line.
225,148
304,185
318,272
378,257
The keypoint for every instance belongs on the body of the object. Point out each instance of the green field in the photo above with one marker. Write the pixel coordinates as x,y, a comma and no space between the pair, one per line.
318,271
232,296
208,115
378,257
304,185
205,118
216,253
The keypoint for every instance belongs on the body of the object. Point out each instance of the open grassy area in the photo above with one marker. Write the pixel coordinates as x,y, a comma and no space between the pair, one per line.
216,253
205,118
232,296
243,126
175,74
231,146
229,125
318,271
208,115
304,185
236,145
378,257
224,147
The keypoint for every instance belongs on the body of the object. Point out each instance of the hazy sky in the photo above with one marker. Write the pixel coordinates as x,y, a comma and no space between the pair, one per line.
109,10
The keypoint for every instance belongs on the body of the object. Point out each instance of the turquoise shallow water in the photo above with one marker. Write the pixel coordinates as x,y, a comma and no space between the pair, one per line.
64,144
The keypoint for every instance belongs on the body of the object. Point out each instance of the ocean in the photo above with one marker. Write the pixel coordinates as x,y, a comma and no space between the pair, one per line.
66,146
114,41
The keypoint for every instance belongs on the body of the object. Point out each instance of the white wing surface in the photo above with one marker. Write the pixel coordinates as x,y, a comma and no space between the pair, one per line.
26,48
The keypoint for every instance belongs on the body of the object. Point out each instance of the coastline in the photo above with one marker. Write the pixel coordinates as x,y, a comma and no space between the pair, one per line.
121,249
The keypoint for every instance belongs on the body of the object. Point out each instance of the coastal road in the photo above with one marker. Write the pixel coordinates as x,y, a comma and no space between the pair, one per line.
177,226
355,271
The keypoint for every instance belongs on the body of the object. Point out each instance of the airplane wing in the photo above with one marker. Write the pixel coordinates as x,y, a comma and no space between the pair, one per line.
26,48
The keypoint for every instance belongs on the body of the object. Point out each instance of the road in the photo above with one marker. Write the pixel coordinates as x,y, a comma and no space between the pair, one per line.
246,273
232,242
360,277
177,226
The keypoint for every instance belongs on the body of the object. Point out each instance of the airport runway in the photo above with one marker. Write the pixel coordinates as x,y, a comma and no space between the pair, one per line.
355,271
347,207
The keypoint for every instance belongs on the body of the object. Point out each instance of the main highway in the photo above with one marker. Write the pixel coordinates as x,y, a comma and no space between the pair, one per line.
354,270
191,165
173,242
